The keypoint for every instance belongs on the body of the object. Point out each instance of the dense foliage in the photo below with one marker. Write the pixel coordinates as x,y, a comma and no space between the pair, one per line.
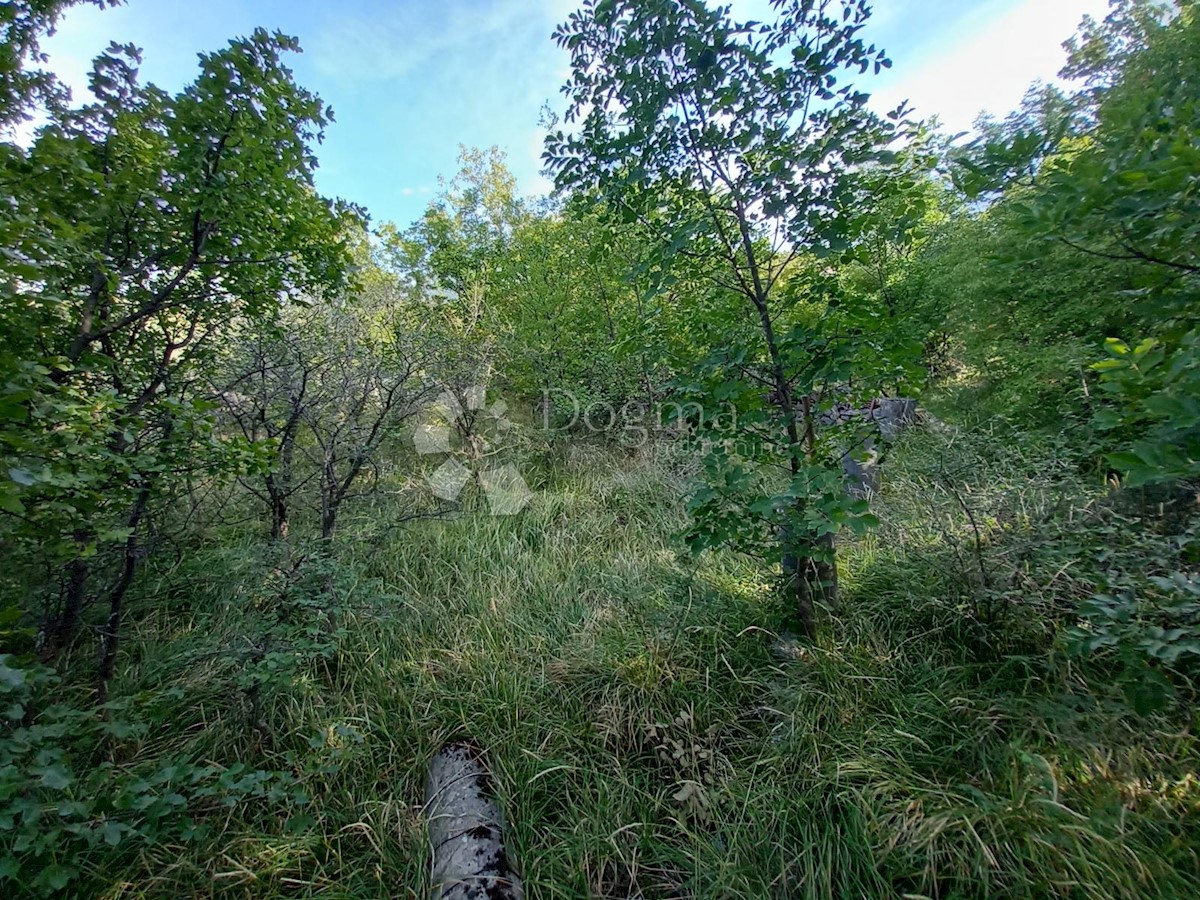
286,501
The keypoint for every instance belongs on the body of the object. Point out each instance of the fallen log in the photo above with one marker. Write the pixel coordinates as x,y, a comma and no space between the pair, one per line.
469,860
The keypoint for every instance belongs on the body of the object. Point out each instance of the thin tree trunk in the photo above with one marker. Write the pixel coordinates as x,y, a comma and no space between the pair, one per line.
279,519
329,510
331,491
60,631
110,633
277,498
815,573
279,487
800,569
820,576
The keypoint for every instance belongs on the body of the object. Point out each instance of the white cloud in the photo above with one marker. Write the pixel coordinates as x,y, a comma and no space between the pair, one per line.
410,36
413,79
990,69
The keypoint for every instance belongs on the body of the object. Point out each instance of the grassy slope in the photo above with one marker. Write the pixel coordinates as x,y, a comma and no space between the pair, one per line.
644,737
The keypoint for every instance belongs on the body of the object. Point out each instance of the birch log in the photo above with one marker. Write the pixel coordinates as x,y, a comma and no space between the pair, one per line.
469,860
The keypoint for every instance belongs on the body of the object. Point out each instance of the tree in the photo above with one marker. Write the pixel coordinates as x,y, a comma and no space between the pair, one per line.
266,388
734,142
147,226
446,265
1113,185
569,313
1131,193
370,381
22,25
452,247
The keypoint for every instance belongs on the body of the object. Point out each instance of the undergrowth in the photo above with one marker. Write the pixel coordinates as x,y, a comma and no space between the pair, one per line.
648,732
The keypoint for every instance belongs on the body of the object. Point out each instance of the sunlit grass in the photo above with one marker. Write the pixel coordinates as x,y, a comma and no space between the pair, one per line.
643,736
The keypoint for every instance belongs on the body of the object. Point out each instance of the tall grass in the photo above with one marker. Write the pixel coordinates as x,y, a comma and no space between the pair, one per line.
647,733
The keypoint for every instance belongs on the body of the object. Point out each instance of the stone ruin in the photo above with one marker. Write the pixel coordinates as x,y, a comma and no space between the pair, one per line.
885,417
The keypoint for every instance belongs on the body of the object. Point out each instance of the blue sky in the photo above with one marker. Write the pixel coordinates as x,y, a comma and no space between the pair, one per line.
410,80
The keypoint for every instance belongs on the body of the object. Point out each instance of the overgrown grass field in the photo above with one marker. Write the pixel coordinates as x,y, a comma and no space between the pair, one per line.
649,732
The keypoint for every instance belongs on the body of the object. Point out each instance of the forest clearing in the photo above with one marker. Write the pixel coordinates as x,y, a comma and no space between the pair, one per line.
801,501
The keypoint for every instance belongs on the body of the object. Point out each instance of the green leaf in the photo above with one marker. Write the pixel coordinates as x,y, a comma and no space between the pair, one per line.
9,502
55,876
112,831
56,778
299,824
10,678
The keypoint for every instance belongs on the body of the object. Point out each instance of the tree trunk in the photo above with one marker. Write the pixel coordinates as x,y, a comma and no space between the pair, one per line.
810,572
797,585
279,518
279,484
804,574
808,564
329,511
328,522
60,631
109,634
819,578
